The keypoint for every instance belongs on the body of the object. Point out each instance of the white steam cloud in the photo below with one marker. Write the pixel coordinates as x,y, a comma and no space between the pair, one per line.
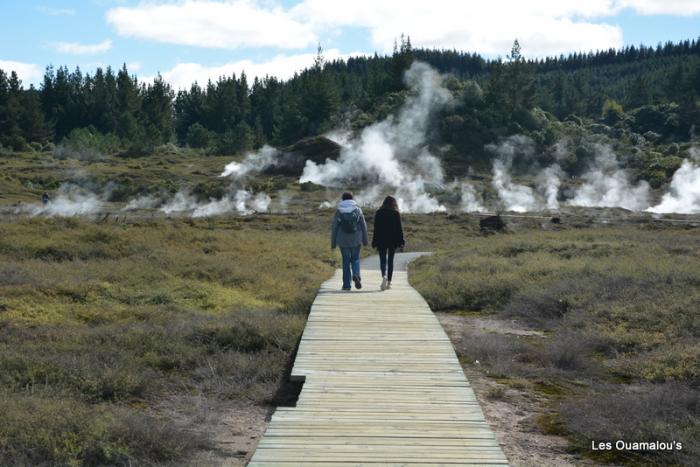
548,182
683,196
516,197
471,201
607,185
392,154
281,205
237,201
254,162
70,200
241,202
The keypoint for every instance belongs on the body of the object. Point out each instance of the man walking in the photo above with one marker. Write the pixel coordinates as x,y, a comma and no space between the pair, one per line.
349,233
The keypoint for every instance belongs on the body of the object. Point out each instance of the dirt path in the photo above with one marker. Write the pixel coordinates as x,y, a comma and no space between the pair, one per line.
235,430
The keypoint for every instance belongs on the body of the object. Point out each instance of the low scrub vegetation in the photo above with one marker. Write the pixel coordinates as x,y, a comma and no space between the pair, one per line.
620,352
109,328
101,325
665,412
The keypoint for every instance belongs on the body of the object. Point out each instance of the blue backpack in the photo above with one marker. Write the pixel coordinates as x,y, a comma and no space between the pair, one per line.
349,221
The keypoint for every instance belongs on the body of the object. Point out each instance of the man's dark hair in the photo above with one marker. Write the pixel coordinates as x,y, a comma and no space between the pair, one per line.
347,195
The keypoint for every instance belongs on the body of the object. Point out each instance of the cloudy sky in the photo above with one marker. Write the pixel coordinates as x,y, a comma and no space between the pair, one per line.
187,40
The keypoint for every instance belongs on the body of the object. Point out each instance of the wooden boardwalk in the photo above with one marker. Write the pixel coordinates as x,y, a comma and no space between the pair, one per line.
382,386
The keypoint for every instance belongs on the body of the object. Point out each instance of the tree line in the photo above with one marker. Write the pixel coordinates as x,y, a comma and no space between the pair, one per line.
233,114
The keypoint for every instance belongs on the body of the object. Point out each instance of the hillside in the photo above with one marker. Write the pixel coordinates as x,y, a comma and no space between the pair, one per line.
443,129
233,114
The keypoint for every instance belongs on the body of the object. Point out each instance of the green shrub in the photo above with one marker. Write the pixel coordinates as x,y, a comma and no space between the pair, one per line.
59,431
87,144
198,136
234,141
668,412
612,111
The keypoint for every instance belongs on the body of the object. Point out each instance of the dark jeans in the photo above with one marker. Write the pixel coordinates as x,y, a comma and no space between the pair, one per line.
351,261
383,253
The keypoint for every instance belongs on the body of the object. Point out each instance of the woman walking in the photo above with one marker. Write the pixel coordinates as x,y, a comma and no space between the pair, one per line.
387,237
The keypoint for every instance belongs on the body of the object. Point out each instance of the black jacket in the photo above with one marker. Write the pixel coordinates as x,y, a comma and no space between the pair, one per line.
387,229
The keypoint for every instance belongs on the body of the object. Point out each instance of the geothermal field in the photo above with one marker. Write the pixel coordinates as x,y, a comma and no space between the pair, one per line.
391,156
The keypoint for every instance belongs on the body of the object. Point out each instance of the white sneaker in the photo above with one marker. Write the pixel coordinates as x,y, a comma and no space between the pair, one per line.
384,283
388,285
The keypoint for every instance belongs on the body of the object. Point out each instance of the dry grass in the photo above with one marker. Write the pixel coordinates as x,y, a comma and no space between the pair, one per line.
618,307
661,412
101,323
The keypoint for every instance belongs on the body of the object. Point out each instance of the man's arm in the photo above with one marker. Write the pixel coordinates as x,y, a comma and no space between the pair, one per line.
334,229
363,226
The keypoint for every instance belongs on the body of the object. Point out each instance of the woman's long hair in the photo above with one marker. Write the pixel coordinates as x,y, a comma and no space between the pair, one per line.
390,203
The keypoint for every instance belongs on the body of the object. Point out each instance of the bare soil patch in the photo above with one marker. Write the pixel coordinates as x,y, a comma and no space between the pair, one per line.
235,431
510,412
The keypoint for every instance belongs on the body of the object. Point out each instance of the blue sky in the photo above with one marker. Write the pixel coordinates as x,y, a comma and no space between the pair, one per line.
189,40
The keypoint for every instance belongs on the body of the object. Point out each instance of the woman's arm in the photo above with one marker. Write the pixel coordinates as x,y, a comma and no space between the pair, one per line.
374,230
399,232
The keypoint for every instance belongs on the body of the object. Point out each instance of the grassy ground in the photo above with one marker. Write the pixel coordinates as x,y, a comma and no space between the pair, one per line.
619,309
25,176
113,331
101,325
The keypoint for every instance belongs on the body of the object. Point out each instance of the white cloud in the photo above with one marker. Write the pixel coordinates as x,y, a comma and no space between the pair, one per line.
227,25
282,66
133,67
662,7
47,10
27,72
544,27
76,48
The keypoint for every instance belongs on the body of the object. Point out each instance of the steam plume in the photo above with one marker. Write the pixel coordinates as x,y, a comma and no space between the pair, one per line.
392,154
70,200
513,196
548,183
607,185
238,200
684,193
254,162
471,201
241,202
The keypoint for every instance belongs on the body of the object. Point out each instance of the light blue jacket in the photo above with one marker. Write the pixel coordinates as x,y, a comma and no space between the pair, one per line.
345,239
